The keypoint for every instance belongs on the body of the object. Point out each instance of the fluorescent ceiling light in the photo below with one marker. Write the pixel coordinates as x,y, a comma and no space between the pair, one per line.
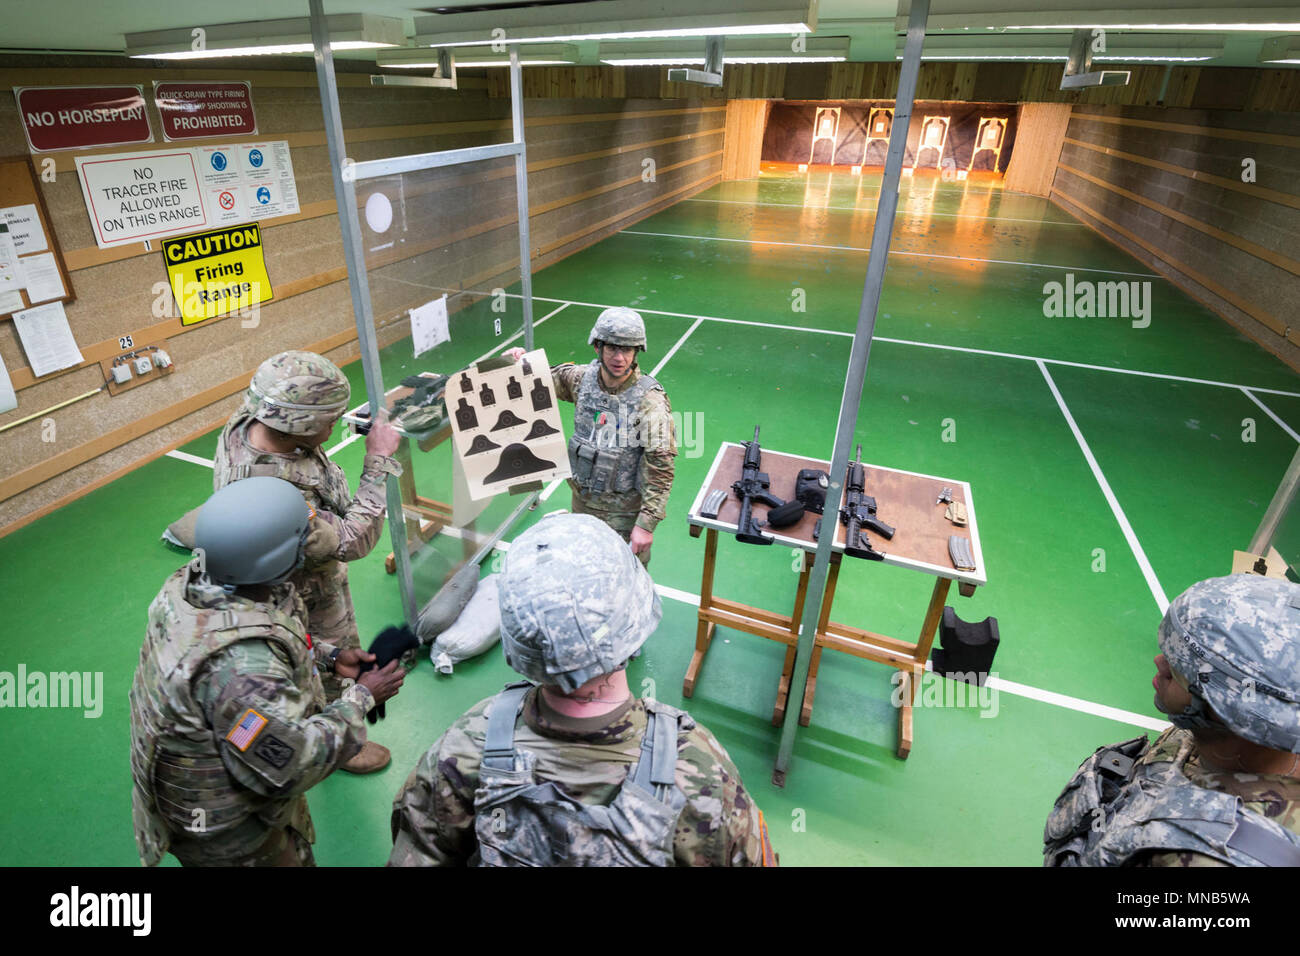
540,54
815,50
1280,50
1054,47
618,19
348,31
1212,27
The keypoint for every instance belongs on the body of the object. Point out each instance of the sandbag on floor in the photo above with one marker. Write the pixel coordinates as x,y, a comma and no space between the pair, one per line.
475,631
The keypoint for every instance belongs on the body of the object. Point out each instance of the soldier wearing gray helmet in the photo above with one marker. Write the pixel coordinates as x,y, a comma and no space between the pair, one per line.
228,723
1222,786
289,411
624,440
572,770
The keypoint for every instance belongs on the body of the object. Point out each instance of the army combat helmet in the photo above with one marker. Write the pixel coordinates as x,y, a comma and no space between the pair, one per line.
298,393
1236,642
575,601
252,532
618,326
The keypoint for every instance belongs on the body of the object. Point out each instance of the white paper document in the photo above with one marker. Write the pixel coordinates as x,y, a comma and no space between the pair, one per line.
11,276
47,339
429,326
10,302
8,400
25,227
41,277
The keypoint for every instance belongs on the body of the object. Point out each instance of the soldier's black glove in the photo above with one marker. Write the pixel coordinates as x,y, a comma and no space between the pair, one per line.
391,644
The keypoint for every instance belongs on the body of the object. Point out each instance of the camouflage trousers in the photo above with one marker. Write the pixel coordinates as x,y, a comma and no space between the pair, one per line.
620,521
330,615
284,846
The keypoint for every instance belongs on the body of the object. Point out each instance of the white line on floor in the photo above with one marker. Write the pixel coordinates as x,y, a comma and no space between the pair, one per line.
676,345
194,459
1135,546
902,211
892,252
1075,703
550,489
341,445
1269,412
1096,368
947,348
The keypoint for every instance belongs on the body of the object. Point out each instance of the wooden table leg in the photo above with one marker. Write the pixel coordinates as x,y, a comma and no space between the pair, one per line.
911,680
810,688
787,667
913,677
705,628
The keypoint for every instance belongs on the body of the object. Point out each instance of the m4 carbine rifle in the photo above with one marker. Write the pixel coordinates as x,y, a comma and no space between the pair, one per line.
860,511
753,486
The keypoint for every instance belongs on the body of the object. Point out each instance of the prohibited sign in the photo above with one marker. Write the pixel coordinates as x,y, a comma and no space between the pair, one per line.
227,200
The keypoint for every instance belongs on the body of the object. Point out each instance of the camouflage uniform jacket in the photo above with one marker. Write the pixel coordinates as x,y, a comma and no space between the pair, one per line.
1140,804
652,429
358,521
433,815
1273,796
227,720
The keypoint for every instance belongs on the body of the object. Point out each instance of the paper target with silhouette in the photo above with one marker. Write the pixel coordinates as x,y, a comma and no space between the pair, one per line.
506,424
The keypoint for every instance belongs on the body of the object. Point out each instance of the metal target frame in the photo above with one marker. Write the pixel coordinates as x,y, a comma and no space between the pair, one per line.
989,122
921,144
833,136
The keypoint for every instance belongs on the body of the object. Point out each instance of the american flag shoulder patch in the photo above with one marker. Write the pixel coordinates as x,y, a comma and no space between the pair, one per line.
246,730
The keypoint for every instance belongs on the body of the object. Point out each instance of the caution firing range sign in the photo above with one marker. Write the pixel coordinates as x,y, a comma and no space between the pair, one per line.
216,273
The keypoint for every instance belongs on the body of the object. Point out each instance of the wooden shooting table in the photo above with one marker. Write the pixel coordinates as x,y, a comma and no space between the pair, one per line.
906,500
424,517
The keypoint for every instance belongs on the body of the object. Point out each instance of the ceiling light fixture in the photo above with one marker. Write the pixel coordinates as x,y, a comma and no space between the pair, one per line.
810,50
617,19
1280,50
534,54
348,31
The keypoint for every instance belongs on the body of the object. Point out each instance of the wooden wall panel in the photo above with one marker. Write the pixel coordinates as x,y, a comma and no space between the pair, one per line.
1039,135
1167,185
743,148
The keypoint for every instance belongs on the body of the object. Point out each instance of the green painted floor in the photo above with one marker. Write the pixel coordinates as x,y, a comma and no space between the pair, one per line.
962,336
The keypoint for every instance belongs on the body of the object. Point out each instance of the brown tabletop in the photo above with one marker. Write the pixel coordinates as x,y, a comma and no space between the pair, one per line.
905,500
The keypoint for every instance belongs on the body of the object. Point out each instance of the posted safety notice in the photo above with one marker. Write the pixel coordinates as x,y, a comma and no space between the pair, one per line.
216,273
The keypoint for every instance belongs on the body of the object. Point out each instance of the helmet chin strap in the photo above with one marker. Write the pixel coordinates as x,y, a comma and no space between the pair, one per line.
1195,716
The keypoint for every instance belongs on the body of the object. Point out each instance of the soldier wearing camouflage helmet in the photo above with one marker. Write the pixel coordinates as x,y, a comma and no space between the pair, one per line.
624,441
1222,786
288,412
568,768
228,724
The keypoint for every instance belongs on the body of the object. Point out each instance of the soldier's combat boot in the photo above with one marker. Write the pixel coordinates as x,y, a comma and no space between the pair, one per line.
371,758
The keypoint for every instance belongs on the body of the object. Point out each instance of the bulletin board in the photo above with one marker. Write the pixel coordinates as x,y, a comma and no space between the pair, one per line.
18,188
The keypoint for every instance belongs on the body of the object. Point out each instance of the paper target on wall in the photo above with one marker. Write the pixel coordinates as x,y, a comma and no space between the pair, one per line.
506,425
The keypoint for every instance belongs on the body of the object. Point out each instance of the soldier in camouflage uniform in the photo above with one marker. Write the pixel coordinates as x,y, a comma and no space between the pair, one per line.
228,727
624,440
289,411
576,771
1222,786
